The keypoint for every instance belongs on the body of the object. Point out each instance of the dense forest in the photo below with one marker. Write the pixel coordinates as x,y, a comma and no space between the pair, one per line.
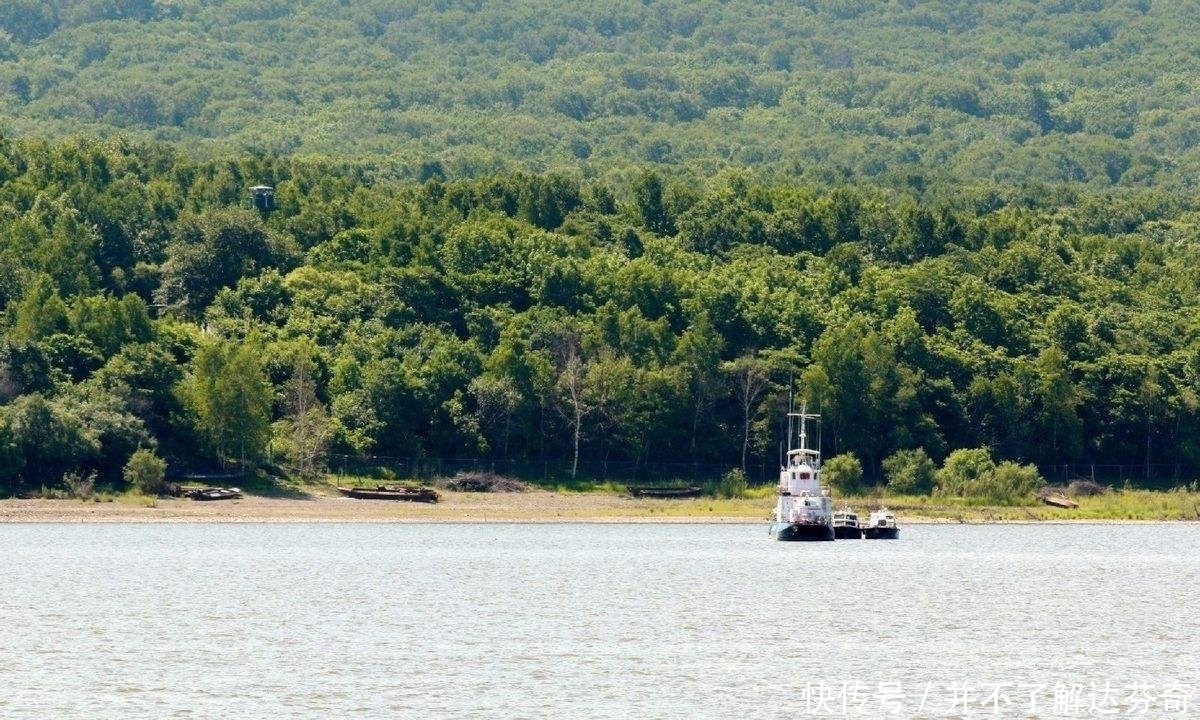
545,320
900,93
564,240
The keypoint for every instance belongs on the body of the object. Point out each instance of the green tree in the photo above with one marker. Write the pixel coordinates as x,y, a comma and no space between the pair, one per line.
45,442
229,399
750,379
214,250
648,200
41,312
909,472
843,473
304,433
146,472
964,472
698,353
972,474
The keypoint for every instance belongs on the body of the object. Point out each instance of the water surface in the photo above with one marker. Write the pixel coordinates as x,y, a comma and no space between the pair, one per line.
596,621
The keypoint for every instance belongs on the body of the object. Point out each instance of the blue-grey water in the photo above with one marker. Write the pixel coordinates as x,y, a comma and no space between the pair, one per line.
596,621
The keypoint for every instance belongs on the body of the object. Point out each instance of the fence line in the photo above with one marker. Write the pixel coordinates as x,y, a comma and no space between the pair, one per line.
1155,476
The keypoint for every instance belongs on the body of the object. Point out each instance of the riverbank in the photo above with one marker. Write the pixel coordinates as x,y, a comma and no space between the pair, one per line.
321,505
532,506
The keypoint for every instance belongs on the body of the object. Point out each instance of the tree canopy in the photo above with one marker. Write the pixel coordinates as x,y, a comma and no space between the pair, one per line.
550,322
924,95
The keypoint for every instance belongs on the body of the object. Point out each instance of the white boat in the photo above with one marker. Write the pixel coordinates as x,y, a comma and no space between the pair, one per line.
803,507
881,525
845,525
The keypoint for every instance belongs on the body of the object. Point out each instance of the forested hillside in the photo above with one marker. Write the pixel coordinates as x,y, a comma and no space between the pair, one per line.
903,93
543,320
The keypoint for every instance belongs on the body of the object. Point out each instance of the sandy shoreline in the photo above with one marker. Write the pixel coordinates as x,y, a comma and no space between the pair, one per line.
537,506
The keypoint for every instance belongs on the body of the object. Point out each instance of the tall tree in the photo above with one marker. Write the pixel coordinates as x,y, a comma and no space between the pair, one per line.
571,374
699,353
230,399
306,430
648,199
751,379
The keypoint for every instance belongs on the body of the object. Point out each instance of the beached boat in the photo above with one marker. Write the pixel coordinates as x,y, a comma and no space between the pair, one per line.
664,492
214,493
881,525
845,525
1060,500
803,508
391,492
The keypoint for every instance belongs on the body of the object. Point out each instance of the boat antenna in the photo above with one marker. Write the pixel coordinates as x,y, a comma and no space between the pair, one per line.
819,433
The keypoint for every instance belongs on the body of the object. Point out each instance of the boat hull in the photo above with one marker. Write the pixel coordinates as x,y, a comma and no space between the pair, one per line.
664,492
882,533
847,532
428,495
207,494
801,532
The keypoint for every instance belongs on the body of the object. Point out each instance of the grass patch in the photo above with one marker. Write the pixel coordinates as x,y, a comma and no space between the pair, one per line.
610,487
1143,505
134,497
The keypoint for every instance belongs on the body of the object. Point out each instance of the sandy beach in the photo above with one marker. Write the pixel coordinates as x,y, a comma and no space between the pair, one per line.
323,504
533,506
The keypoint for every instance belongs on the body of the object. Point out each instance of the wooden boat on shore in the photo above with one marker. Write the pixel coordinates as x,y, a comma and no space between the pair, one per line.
1059,500
214,493
391,492
664,492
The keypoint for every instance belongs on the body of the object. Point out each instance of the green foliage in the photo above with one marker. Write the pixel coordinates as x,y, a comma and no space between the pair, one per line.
934,94
304,434
843,473
964,472
734,484
81,485
44,441
146,472
213,251
909,472
229,396
971,473
540,321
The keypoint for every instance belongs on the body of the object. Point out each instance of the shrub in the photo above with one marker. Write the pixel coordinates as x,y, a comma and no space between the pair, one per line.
1012,483
81,486
147,472
909,472
962,471
733,484
973,474
843,473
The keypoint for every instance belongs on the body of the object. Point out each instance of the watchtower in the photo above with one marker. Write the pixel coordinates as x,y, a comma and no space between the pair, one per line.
262,197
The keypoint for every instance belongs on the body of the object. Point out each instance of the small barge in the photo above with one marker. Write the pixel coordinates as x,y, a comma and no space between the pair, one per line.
214,493
391,492
639,491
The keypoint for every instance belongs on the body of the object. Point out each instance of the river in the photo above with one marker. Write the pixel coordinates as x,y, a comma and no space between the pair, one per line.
596,621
